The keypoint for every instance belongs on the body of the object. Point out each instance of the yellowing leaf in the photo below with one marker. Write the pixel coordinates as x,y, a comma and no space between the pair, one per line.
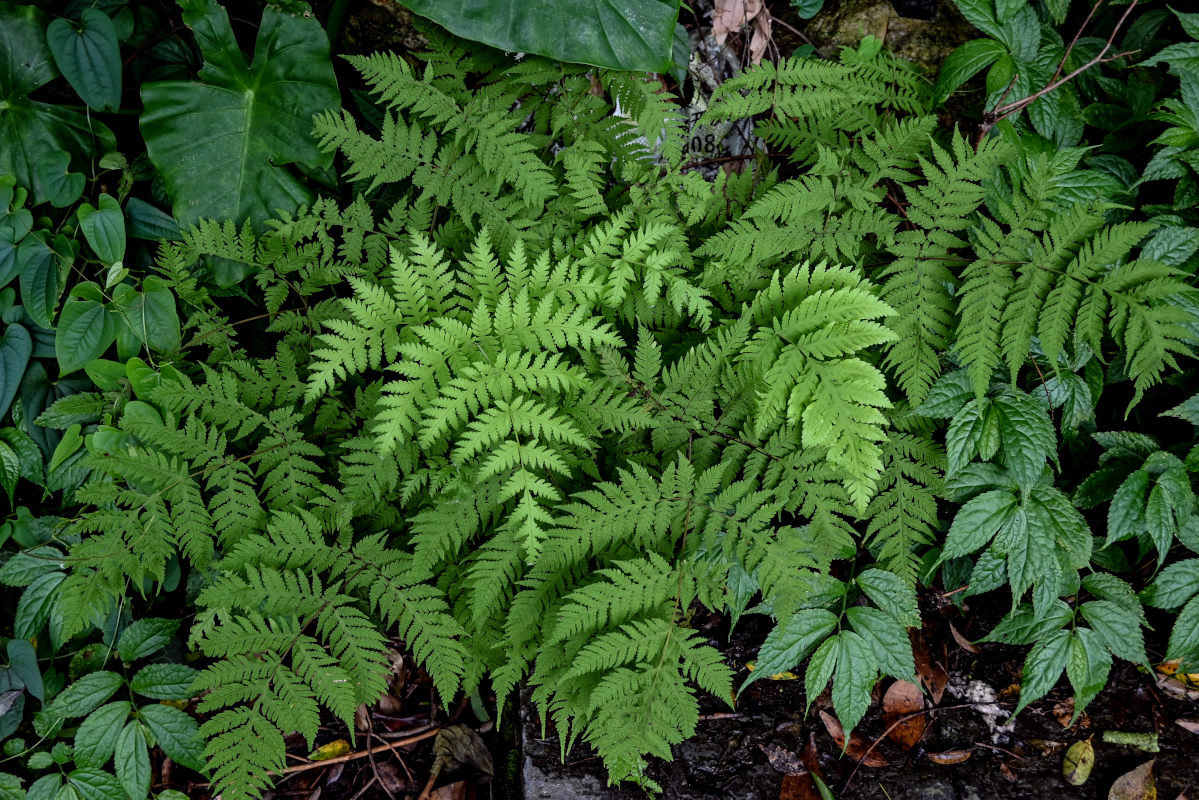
335,748
778,676
1079,761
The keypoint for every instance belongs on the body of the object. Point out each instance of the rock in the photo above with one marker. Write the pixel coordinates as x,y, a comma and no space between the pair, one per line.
926,38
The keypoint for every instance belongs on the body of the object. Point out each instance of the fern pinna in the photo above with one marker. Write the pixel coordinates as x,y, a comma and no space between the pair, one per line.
541,389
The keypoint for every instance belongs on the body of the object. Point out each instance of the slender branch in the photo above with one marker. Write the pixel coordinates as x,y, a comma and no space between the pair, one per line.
1003,111
363,753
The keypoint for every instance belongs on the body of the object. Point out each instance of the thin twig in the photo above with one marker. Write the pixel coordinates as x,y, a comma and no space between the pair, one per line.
427,734
1002,111
801,35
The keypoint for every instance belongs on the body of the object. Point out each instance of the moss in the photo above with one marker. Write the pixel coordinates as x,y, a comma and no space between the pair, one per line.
926,43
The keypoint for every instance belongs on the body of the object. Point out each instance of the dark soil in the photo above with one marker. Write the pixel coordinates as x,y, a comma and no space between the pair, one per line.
727,759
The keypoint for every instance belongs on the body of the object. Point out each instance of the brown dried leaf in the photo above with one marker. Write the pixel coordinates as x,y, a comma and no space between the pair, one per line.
1063,712
1191,725
763,32
857,747
458,745
950,756
730,15
1008,773
453,791
963,642
1135,785
904,698
782,759
799,787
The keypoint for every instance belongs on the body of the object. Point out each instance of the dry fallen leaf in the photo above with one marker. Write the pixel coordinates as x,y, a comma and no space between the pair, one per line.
799,787
1191,725
1183,685
763,32
1078,763
454,747
1063,712
453,791
950,756
857,747
963,642
782,759
1008,773
902,699
1135,785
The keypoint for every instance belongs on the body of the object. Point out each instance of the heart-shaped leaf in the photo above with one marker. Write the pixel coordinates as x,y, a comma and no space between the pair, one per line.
29,129
222,144
104,228
16,346
89,57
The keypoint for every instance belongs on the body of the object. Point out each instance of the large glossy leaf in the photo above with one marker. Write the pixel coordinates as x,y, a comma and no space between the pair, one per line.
29,129
223,143
625,34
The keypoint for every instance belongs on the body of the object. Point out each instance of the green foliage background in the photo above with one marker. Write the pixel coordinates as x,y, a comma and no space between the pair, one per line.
526,388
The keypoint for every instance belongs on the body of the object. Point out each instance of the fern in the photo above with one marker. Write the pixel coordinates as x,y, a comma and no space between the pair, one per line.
542,389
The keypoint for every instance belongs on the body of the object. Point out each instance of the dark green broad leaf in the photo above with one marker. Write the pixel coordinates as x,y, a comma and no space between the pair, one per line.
22,660
857,670
790,643
622,34
1121,631
10,787
1174,585
1023,626
1184,638
85,695
89,57
965,434
173,681
1087,667
963,64
15,348
145,318
104,228
223,143
132,761
176,733
39,279
147,222
891,594
1043,667
97,735
947,396
33,609
1126,514
95,784
887,640
1027,434
145,637
45,788
977,522
85,329
30,129
56,182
